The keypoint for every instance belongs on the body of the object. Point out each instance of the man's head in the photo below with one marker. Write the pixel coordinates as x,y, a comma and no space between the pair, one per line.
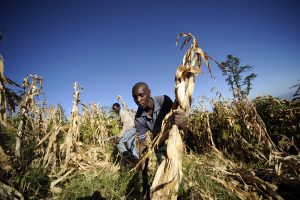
116,108
142,95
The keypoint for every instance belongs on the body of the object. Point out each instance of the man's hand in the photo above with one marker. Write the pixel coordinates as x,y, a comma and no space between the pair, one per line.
179,119
117,140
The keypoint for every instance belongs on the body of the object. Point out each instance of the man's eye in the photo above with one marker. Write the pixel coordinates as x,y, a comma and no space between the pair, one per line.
142,95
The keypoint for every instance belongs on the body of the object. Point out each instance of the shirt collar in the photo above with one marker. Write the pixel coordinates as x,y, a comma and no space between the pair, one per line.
157,107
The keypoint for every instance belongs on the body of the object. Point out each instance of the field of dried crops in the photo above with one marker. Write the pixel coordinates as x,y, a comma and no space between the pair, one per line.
241,149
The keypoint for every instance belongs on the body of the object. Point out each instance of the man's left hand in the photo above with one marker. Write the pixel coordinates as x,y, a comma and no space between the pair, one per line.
117,140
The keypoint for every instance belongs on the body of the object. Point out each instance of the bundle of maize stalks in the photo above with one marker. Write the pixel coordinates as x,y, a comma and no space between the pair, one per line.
169,173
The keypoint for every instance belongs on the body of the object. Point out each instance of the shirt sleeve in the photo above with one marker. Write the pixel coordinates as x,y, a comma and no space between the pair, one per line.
141,130
168,103
127,122
122,124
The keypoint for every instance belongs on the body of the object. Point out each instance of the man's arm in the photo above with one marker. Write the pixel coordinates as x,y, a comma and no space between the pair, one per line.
142,135
142,147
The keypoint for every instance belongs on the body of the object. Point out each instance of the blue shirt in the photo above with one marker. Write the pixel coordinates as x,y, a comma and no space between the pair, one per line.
162,105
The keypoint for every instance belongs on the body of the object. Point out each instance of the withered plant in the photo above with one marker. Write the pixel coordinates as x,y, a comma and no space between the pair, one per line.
8,97
54,129
72,137
282,122
244,157
239,131
95,126
30,111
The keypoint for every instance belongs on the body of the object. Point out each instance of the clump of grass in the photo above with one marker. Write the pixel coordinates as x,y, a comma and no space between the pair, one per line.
33,183
7,140
106,185
197,182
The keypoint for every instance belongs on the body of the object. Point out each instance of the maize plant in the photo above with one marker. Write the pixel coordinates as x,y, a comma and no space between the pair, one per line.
119,98
131,112
240,132
95,125
30,113
73,135
282,122
8,97
2,94
53,128
169,173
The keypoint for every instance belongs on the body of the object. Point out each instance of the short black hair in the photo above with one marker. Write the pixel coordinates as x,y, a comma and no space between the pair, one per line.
116,105
139,84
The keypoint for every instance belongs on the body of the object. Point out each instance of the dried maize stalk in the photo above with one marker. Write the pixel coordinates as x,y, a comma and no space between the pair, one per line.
169,173
73,134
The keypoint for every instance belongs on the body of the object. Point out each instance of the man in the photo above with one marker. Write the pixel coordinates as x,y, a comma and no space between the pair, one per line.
150,114
127,133
151,111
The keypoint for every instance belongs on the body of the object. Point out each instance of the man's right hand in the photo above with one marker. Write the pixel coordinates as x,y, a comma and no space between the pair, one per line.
179,119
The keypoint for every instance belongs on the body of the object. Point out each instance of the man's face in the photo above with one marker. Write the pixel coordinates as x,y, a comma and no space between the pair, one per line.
141,96
116,109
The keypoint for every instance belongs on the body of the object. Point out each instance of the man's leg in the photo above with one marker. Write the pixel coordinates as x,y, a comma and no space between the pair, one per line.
121,146
132,147
126,136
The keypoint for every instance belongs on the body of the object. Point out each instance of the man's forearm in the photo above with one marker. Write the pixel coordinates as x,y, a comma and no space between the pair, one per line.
142,147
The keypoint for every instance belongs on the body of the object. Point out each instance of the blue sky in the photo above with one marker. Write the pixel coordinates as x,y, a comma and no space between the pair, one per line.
107,46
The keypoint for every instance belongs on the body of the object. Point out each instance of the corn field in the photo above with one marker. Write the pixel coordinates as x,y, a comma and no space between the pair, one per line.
241,149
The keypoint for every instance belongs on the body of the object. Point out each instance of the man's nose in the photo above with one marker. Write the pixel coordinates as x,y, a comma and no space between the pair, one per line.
139,99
